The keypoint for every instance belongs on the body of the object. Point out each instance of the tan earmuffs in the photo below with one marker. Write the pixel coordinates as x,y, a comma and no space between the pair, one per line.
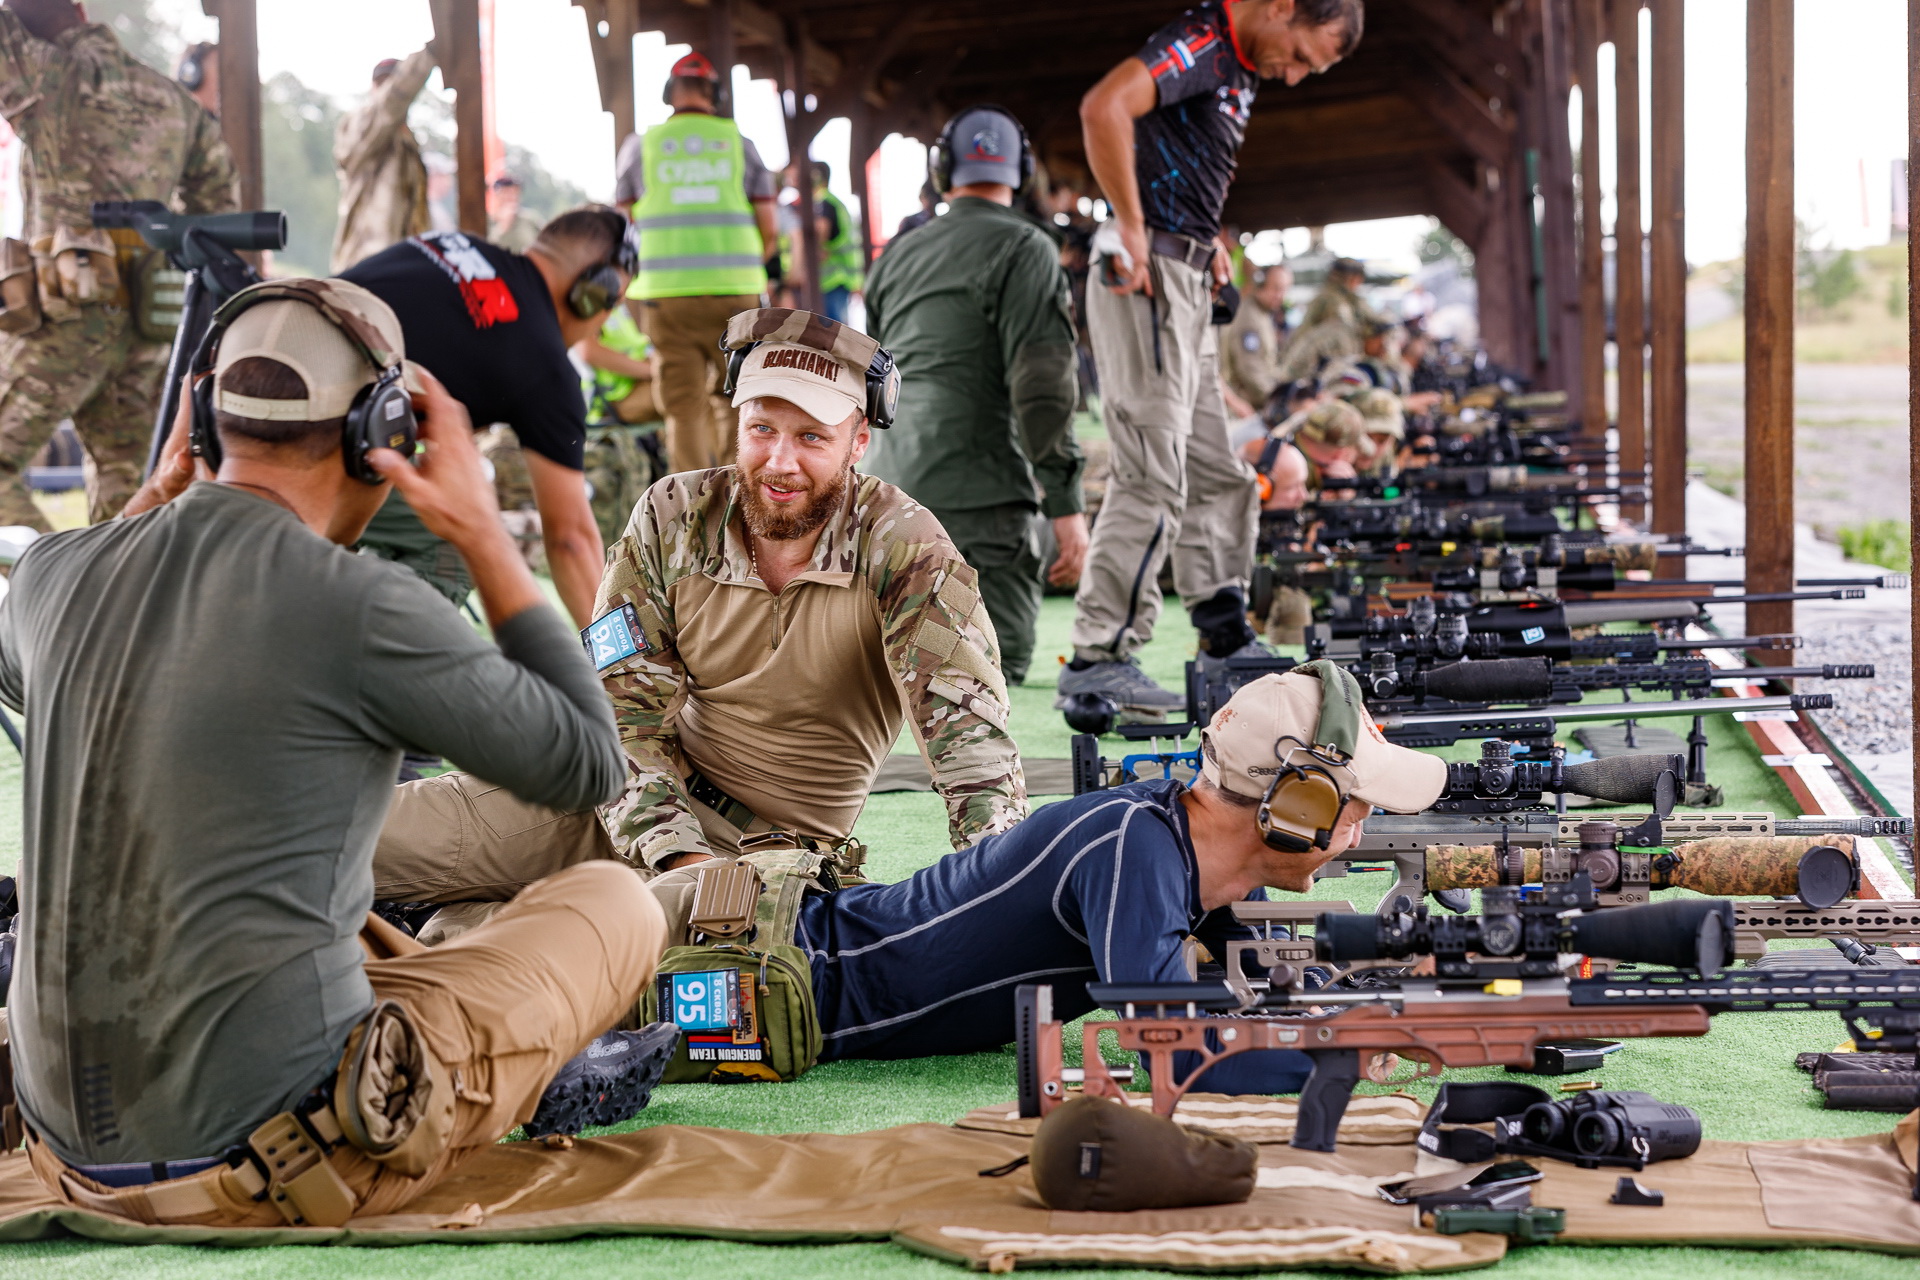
1304,800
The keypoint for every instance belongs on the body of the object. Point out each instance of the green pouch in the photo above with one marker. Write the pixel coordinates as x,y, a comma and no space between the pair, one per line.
744,1014
156,293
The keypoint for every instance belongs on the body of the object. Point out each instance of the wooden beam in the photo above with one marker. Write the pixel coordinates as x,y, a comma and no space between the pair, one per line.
1593,286
456,34
1769,314
1669,421
722,49
1546,112
239,61
1487,133
800,136
613,58
1913,340
1468,46
1629,255
1460,208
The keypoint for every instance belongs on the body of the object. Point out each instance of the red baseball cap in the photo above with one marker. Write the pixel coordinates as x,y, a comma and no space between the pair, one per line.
694,66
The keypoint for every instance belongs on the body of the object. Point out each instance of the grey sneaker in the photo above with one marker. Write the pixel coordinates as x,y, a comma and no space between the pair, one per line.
1211,666
1122,683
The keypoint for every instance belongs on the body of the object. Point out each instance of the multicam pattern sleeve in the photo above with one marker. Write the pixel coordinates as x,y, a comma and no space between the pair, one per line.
665,540
941,649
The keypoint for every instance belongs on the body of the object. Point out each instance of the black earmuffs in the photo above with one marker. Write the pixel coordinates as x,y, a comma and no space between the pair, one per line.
598,290
883,379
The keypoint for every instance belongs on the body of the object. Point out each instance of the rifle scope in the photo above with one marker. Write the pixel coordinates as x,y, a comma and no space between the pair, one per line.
1534,931
1498,776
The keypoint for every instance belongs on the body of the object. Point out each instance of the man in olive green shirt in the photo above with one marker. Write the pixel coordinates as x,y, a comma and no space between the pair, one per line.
976,310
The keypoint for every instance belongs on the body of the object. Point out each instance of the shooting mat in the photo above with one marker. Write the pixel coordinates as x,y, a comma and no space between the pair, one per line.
919,1186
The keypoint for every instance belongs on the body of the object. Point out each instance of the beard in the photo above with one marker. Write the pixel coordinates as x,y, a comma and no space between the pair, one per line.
786,523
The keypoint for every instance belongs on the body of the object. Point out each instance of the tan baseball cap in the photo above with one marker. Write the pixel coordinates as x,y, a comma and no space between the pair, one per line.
1334,423
1382,411
803,358
336,335
1242,748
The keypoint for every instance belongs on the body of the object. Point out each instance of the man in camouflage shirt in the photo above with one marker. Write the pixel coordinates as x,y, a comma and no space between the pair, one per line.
764,630
97,125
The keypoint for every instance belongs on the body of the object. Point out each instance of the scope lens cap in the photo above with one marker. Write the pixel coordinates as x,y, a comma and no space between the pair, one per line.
1091,713
1826,877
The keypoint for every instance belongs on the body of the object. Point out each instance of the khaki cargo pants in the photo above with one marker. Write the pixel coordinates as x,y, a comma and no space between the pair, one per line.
1176,487
686,334
501,1007
94,369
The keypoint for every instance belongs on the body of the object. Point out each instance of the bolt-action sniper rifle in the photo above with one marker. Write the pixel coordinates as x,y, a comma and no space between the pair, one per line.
203,246
1533,621
1498,993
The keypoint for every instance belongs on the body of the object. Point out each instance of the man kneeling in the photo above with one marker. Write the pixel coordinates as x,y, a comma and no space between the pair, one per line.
220,693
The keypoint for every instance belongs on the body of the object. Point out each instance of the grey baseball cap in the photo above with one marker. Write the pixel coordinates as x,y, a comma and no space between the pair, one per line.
986,147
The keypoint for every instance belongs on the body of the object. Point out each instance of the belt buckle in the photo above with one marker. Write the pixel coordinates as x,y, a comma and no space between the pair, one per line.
301,1182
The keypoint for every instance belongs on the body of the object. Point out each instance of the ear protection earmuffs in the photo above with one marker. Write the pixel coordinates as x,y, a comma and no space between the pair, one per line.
883,380
1263,470
1304,800
380,417
598,290
940,157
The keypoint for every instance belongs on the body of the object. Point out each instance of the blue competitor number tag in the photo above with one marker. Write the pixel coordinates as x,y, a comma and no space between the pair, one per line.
702,1001
614,637
1533,635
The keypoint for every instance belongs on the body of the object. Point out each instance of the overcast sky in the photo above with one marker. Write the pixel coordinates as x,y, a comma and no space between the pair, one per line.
1850,104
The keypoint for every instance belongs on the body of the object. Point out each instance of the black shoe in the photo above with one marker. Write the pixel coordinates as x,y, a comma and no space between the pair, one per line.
415,767
609,1081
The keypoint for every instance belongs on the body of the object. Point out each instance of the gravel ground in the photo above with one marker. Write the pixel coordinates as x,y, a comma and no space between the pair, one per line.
1869,716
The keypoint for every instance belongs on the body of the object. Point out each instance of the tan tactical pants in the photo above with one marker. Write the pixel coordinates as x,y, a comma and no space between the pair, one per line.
1176,485
501,1007
686,336
95,370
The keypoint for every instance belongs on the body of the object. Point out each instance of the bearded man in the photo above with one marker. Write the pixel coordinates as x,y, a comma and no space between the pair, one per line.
764,630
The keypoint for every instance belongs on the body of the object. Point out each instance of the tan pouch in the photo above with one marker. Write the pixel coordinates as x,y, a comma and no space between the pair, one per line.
78,267
392,1101
19,290
724,900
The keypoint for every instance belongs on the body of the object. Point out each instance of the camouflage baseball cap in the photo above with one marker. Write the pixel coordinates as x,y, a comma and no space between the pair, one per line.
1335,423
1382,412
808,360
337,336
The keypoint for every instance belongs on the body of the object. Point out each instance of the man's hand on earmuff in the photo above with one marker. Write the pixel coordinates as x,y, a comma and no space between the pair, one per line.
177,468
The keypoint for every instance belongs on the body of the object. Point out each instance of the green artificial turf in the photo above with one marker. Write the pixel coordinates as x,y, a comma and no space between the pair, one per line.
1740,1078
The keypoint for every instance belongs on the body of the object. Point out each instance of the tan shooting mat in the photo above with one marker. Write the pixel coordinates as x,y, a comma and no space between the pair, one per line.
919,1185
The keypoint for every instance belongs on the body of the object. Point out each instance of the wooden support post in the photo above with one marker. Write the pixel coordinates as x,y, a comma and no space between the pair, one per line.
860,149
1629,256
1913,328
1769,315
1593,286
1548,112
1669,273
802,125
239,60
456,31
721,50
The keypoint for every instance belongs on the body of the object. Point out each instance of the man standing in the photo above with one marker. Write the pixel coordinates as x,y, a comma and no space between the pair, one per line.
975,309
97,124
703,203
1250,345
1162,132
841,270
383,180
495,327
508,225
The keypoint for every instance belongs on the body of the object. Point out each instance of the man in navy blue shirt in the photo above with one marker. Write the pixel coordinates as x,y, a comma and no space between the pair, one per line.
1105,887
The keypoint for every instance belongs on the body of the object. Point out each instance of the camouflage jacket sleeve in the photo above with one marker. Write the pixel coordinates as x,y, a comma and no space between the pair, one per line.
941,649
209,183
24,62
652,821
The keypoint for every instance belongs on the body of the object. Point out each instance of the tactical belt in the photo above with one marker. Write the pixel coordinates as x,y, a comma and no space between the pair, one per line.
702,788
1196,254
